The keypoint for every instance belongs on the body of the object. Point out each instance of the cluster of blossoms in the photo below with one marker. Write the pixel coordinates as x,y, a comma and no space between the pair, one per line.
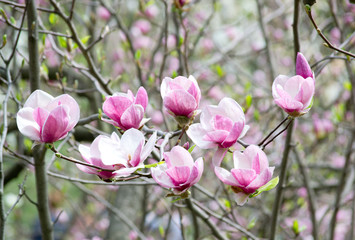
47,119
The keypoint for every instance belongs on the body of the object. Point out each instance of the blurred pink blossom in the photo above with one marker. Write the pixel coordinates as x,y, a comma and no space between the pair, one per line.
103,13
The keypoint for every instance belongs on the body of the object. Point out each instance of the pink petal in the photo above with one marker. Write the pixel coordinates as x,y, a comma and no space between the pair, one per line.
178,174
27,125
241,198
86,169
142,97
136,158
244,176
132,117
233,135
259,181
125,172
217,136
114,107
194,90
302,67
292,85
226,177
222,123
160,176
40,115
278,82
307,89
73,108
196,172
232,109
218,156
132,140
55,126
149,146
197,134
38,98
180,103
85,153
164,87
178,156
259,161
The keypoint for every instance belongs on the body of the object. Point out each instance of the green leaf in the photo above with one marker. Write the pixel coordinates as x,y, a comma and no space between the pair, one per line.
191,148
138,54
58,165
347,85
251,224
44,69
247,86
248,100
295,227
219,70
53,18
227,204
256,115
174,74
181,41
85,39
267,187
13,20
161,231
153,164
62,41
28,144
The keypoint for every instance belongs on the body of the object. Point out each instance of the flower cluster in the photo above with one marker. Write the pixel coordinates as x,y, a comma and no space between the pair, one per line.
47,119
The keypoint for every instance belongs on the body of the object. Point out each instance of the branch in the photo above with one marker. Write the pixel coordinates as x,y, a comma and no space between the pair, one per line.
310,194
319,31
280,187
111,208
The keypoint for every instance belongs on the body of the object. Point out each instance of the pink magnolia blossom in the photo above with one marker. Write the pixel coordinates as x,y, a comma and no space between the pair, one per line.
251,171
126,110
181,96
47,119
128,153
221,126
140,27
179,171
93,155
103,13
294,94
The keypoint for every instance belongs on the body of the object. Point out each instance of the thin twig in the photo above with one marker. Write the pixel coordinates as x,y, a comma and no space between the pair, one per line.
111,208
278,134
319,31
310,194
274,130
280,187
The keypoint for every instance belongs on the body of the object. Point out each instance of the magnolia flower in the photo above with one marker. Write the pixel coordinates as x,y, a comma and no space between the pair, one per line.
179,171
221,126
126,110
92,155
128,153
181,96
103,13
47,119
294,94
251,171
